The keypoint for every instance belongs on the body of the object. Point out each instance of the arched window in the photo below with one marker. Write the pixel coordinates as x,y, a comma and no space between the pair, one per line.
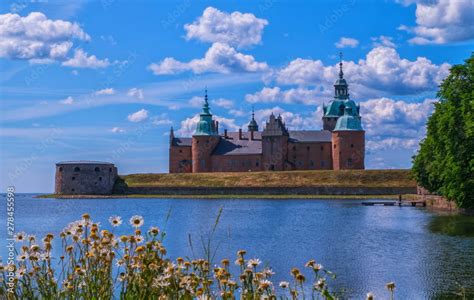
77,169
97,169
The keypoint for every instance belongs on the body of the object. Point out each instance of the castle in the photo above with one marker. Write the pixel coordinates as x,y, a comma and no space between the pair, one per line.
340,145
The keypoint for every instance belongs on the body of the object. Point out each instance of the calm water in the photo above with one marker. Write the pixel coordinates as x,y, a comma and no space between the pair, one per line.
366,246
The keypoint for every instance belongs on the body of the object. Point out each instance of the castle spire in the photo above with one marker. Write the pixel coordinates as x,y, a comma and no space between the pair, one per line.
205,107
341,74
253,126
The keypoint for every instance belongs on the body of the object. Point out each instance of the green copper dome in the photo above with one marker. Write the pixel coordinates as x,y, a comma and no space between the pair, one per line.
348,121
206,125
253,126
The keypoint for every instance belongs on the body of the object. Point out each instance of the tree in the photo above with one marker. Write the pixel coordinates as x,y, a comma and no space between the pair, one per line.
444,163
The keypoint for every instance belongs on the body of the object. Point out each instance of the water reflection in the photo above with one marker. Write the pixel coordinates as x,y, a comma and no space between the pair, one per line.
453,225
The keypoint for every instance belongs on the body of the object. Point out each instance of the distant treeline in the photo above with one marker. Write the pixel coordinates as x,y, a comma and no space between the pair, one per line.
445,162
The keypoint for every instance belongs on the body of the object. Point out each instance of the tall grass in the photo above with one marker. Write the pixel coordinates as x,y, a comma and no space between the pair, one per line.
97,264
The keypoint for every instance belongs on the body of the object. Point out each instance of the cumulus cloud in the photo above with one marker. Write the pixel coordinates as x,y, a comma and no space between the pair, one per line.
294,95
162,119
196,101
382,70
37,37
236,29
219,58
117,130
138,116
68,101
82,60
345,42
224,103
107,91
442,21
135,92
188,125
383,40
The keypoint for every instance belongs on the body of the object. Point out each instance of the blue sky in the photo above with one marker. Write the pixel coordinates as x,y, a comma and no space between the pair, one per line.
105,80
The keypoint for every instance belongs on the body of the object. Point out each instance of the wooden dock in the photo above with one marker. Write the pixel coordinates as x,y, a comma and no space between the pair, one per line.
395,203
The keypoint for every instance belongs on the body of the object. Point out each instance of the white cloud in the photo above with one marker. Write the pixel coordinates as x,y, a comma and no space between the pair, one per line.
219,58
382,70
383,40
224,103
188,125
442,21
37,37
135,92
107,91
196,101
236,29
345,42
162,119
238,112
117,130
294,95
68,101
74,72
82,60
392,143
138,116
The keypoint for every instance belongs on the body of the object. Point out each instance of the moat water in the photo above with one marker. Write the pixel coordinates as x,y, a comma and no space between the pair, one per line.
427,254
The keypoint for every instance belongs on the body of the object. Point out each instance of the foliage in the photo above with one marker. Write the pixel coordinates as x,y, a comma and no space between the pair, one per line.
97,264
445,162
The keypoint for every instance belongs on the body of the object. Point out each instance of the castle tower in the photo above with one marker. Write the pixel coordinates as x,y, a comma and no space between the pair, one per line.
274,144
335,108
253,126
204,140
348,141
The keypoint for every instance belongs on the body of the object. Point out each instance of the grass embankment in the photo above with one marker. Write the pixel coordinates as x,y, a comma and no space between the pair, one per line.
346,178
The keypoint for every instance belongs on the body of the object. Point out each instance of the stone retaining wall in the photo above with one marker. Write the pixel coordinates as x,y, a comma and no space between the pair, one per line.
319,190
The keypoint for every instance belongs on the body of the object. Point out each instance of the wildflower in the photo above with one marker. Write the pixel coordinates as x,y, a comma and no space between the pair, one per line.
120,262
139,239
140,249
319,285
20,272
265,284
317,267
45,256
390,286
300,277
20,236
31,237
310,263
86,217
254,262
239,261
284,284
295,272
241,252
154,231
136,221
370,296
122,276
34,248
268,272
22,257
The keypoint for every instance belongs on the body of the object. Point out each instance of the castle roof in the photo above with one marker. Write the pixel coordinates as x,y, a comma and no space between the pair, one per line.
348,122
308,136
83,162
232,145
179,141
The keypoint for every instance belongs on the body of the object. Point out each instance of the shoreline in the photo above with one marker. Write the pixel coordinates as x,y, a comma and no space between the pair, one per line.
228,196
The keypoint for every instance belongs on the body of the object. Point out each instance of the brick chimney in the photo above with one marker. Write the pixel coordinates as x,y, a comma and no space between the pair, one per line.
225,133
217,127
240,133
251,135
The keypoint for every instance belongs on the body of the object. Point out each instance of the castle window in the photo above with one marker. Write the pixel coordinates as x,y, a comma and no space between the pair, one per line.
60,169
300,163
257,163
97,169
203,163
334,146
294,148
349,161
100,178
308,148
180,151
322,148
72,190
323,163
77,169
352,145
311,163
73,178
110,169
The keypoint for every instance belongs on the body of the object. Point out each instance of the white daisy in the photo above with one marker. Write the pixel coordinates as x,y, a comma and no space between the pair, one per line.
136,221
115,221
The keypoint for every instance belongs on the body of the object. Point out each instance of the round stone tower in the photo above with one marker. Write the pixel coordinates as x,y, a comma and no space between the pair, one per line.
348,142
204,140
85,178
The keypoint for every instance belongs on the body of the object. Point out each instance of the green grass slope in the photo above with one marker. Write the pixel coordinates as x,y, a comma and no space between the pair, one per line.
346,178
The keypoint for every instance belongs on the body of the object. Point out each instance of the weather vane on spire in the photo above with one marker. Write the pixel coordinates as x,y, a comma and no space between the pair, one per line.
341,74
